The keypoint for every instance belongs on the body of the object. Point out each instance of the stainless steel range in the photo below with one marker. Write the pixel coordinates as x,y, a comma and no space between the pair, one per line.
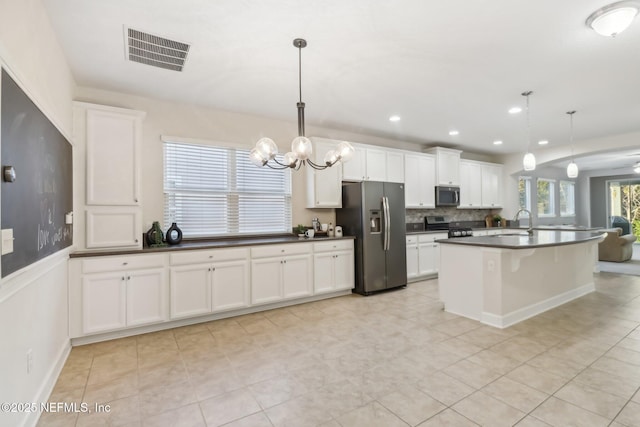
441,223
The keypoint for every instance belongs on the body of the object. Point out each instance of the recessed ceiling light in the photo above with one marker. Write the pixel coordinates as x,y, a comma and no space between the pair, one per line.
394,118
454,132
497,142
543,142
515,110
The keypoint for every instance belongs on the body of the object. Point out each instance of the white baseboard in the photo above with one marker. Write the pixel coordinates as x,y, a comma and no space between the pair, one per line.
534,309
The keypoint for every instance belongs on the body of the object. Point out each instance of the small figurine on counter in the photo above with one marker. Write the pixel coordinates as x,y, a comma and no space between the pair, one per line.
155,238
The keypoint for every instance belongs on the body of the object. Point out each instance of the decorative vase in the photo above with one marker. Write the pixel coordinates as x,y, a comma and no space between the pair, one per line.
155,237
174,234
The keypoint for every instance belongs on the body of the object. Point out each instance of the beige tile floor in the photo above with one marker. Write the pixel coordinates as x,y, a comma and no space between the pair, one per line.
393,359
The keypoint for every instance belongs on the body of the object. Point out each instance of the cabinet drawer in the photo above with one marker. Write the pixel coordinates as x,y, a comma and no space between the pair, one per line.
333,245
212,255
411,240
119,263
426,238
279,250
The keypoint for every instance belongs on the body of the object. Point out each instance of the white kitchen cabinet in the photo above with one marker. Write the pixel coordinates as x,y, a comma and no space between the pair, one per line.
356,168
107,173
280,272
447,165
423,254
333,266
219,283
491,188
376,164
470,185
395,166
419,180
324,187
122,298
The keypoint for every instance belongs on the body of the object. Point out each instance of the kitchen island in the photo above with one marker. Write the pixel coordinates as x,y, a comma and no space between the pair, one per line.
503,279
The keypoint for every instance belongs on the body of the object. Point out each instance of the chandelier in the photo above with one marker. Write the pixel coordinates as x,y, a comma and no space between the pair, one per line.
265,151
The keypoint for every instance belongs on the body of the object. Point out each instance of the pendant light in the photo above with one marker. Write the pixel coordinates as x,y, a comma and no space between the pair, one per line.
529,160
572,168
264,153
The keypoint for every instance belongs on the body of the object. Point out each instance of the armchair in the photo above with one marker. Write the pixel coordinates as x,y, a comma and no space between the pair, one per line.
616,247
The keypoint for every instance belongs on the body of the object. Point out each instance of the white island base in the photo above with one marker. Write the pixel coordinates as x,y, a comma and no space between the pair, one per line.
500,287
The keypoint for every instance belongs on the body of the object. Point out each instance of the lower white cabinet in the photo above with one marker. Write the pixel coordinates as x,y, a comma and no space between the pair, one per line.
423,254
119,298
333,266
221,283
281,272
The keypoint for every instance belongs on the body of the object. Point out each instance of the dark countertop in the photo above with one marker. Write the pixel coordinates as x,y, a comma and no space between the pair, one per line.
519,239
209,244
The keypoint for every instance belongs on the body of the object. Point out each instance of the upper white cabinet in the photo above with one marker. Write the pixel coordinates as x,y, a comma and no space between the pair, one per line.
419,180
480,185
447,165
371,163
107,171
324,187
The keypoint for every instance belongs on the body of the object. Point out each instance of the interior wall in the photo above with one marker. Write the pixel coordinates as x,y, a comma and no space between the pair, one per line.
33,301
598,196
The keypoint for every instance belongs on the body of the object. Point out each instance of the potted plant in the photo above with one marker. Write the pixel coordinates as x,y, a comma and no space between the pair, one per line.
497,219
300,229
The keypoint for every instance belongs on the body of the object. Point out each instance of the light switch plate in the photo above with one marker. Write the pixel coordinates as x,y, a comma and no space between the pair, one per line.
7,241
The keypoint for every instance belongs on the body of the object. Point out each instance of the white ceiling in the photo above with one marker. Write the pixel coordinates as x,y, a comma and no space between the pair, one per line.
440,65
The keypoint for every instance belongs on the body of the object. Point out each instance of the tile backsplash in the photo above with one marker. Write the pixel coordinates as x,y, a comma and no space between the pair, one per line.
451,213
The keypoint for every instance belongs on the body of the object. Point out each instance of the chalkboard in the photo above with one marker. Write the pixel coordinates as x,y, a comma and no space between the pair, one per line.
35,204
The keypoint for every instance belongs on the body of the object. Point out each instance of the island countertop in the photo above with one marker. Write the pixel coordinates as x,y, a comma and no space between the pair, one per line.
521,239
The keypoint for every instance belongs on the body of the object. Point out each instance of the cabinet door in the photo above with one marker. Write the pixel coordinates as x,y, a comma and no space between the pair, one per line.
323,280
376,165
426,258
412,185
355,169
103,302
113,156
448,168
297,278
324,187
111,227
427,184
230,285
491,177
395,167
266,280
146,297
470,185
343,270
190,290
412,261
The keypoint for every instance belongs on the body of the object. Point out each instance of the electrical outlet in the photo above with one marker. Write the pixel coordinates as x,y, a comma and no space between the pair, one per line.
29,361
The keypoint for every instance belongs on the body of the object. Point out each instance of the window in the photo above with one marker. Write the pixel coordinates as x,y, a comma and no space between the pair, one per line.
546,196
567,198
215,191
524,190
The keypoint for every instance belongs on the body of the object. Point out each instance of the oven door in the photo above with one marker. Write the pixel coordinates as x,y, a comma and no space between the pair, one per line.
447,196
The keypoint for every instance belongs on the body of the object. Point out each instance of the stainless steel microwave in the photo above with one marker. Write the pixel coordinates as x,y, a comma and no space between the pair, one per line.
447,196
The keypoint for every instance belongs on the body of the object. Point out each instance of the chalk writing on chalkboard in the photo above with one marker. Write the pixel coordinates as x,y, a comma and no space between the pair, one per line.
35,204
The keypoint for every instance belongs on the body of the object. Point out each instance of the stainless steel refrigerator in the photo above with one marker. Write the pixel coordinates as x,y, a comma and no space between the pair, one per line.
374,213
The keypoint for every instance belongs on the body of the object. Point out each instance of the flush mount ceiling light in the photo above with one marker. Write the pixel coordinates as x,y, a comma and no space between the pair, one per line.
529,160
266,150
572,168
611,20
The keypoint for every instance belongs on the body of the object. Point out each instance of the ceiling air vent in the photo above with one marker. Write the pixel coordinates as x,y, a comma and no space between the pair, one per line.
156,51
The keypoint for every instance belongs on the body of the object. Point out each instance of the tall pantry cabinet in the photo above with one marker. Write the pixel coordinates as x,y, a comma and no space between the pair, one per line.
107,176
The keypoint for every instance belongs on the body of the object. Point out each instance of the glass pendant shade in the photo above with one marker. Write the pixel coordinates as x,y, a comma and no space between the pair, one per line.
302,148
331,157
529,162
257,158
267,147
613,19
290,159
572,170
345,151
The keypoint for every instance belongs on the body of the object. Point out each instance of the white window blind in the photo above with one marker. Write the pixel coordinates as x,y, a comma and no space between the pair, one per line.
216,191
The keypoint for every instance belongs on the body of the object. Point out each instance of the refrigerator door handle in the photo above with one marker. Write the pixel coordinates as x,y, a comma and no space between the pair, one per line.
387,223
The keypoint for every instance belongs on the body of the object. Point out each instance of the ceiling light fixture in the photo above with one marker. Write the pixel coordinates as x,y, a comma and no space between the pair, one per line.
611,20
572,168
529,160
454,133
543,142
636,167
394,118
497,142
515,110
301,147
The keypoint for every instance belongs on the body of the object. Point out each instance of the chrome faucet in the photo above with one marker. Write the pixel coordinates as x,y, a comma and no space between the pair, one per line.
530,229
